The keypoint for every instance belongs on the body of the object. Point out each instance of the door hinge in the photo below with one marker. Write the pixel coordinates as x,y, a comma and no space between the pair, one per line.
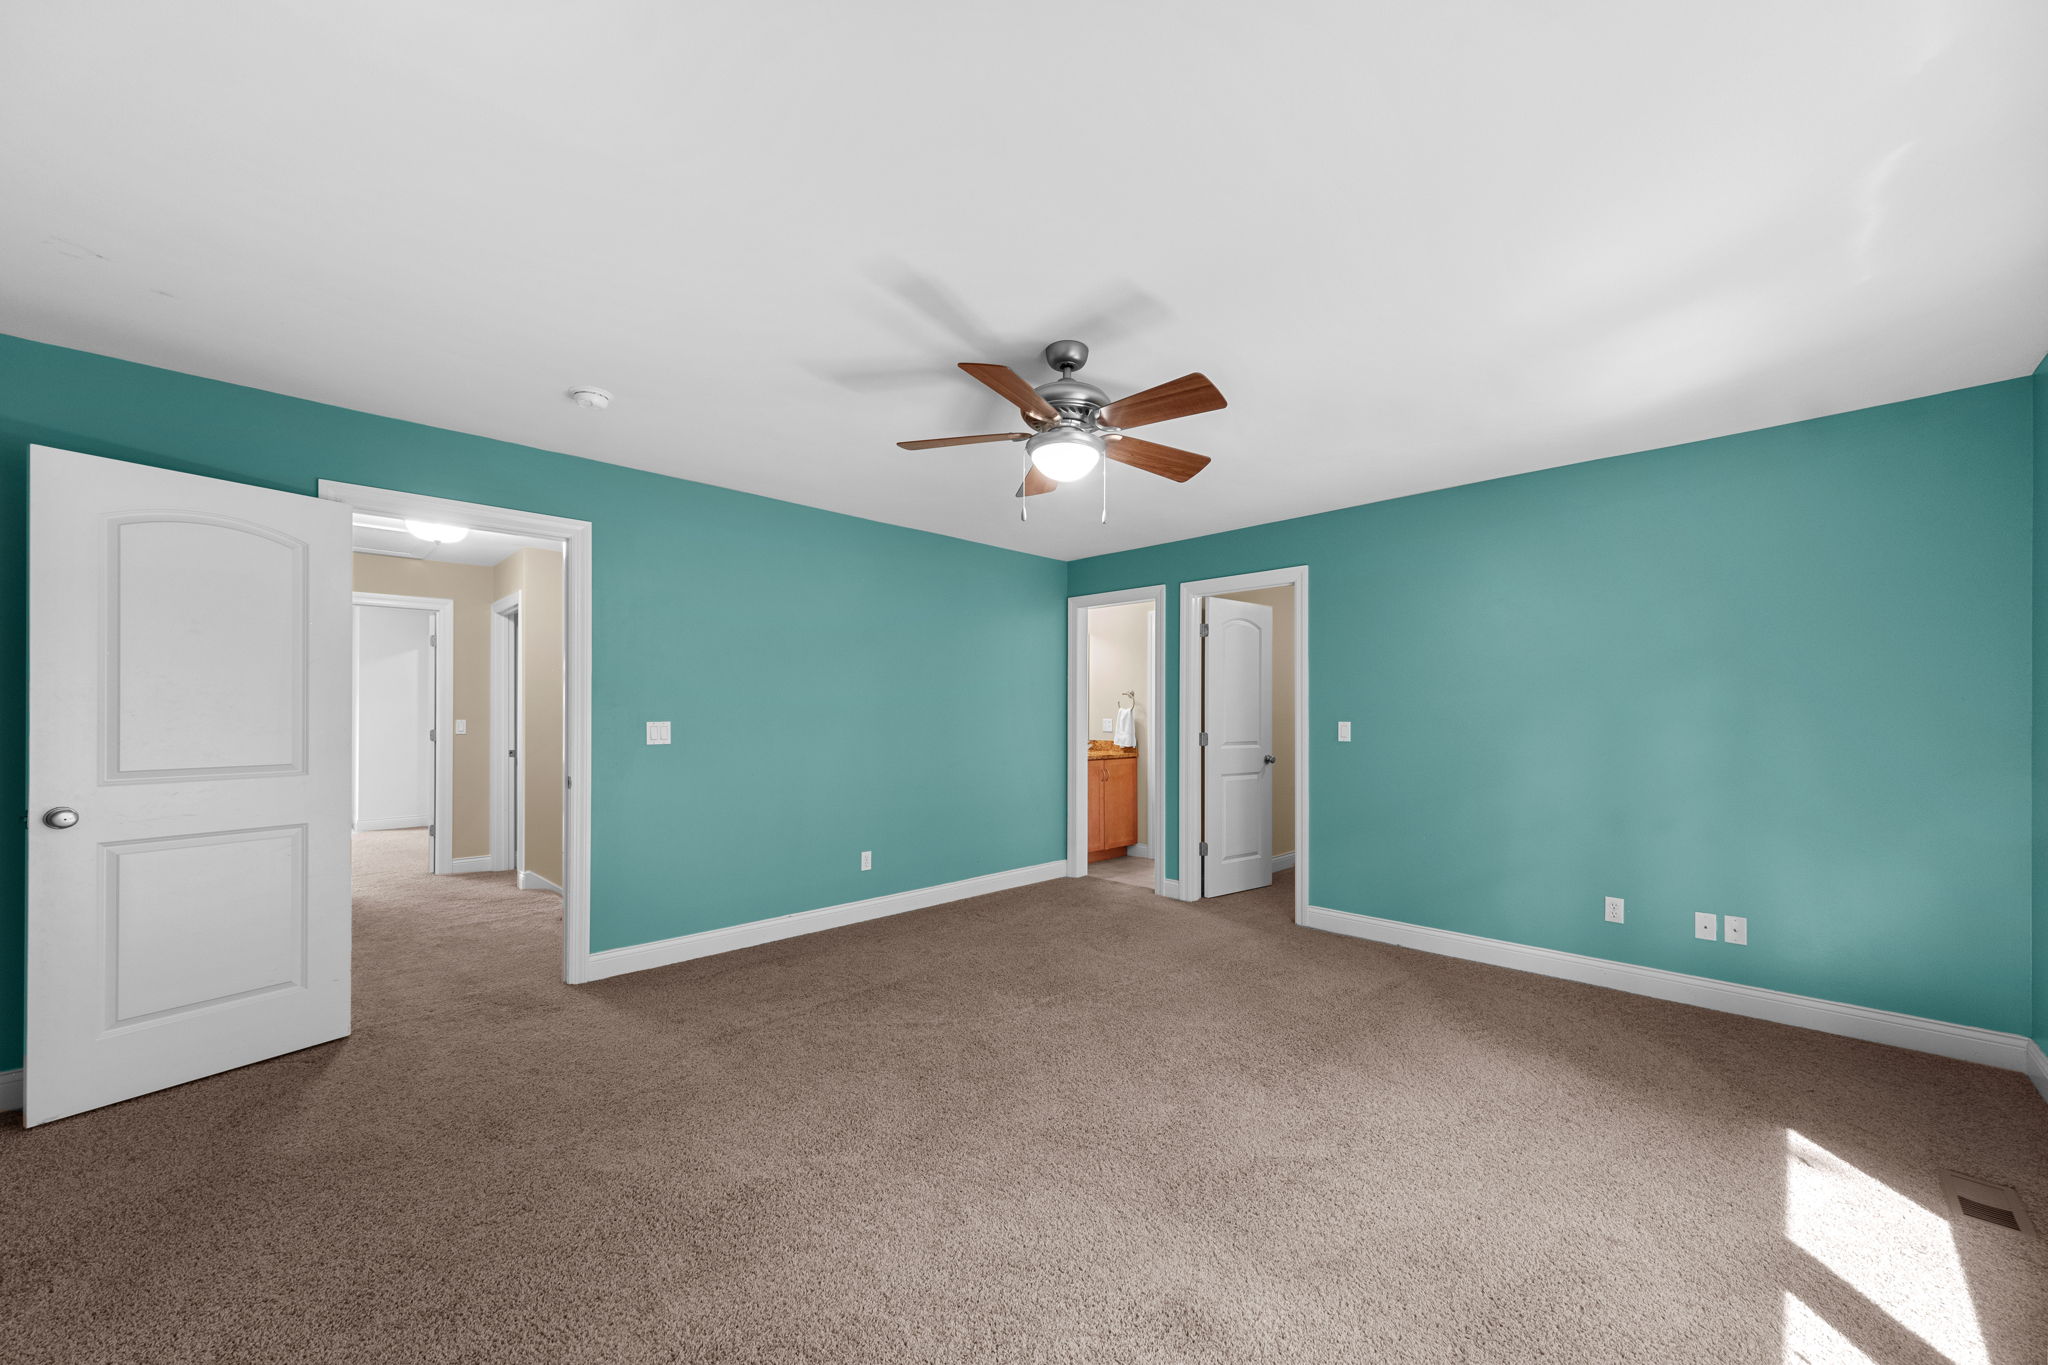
432,641
1205,630
433,736
568,781
1203,848
511,753
432,831
1202,740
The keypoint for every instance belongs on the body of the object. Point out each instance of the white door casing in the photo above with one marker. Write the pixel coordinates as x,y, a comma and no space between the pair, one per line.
189,678
1237,768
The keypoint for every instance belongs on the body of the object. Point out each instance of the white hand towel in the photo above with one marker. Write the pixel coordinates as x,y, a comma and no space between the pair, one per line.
1126,728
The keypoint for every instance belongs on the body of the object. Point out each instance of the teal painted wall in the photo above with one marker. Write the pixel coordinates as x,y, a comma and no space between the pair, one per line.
1785,673
830,678
2040,394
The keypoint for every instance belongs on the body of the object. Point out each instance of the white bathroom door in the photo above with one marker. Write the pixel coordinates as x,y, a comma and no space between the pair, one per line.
1237,760
188,868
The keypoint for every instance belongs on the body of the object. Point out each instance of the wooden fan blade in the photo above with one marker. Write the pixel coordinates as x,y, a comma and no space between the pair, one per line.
1011,385
1182,397
1153,458
1034,482
935,443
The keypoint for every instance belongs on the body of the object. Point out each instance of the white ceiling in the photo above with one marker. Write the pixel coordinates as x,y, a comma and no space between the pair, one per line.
1416,244
387,536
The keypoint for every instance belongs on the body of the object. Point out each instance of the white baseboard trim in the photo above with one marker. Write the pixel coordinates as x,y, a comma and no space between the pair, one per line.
616,961
403,822
533,881
1171,890
1282,861
1985,1046
10,1090
480,863
2037,1067
1138,851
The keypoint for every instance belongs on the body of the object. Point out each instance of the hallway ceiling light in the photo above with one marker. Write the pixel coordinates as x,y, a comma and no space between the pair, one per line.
438,532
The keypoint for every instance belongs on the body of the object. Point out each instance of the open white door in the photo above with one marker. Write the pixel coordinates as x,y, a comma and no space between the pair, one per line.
1237,759
189,784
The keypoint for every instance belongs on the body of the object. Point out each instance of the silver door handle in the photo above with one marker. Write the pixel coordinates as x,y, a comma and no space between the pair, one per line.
60,817
1271,759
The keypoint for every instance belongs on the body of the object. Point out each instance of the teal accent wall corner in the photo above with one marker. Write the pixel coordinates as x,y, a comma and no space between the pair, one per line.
837,684
1783,674
2040,739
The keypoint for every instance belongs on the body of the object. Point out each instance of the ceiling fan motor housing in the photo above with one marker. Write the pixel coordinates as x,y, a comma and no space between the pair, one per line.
1075,398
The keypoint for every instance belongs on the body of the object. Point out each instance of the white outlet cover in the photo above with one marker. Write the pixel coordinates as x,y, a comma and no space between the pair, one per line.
1703,927
867,862
1108,725
1735,929
1615,910
1343,732
657,732
461,727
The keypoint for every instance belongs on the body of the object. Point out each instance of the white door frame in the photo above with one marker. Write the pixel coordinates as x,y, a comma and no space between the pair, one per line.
441,614
1078,735
575,537
1191,593
507,730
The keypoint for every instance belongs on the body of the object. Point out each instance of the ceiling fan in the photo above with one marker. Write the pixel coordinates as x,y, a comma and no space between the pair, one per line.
1074,425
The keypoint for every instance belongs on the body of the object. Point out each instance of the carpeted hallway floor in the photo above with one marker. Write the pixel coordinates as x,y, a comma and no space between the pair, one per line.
1067,1123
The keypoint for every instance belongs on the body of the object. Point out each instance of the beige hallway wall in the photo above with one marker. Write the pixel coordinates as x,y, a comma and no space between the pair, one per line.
469,654
1281,600
536,575
1116,663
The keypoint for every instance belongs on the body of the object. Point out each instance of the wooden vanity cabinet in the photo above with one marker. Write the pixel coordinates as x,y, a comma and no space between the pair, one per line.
1112,805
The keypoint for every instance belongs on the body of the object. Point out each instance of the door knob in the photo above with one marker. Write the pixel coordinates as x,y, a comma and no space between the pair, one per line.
1271,759
60,817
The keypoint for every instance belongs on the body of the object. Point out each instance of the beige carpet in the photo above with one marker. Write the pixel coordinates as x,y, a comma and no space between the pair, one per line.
1069,1123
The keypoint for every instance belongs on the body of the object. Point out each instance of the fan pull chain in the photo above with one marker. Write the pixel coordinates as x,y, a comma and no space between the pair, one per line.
1105,490
1024,503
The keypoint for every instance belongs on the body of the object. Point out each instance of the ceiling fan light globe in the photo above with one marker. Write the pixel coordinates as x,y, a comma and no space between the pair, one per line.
1064,454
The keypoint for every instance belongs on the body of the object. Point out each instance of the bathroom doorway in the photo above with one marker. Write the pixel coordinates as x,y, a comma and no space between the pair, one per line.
1116,795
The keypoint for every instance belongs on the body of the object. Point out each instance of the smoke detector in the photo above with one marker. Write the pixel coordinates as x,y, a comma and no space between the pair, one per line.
591,398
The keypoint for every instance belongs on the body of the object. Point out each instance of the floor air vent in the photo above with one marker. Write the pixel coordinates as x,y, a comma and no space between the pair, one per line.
1993,1204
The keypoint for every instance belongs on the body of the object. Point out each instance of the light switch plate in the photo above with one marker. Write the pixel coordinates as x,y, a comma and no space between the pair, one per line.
1735,929
657,732
1343,732
461,727
1703,927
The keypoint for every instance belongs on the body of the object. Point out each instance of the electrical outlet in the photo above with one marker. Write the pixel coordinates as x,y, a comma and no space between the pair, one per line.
867,861
1343,732
1614,910
1703,927
461,727
1736,930
1108,725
